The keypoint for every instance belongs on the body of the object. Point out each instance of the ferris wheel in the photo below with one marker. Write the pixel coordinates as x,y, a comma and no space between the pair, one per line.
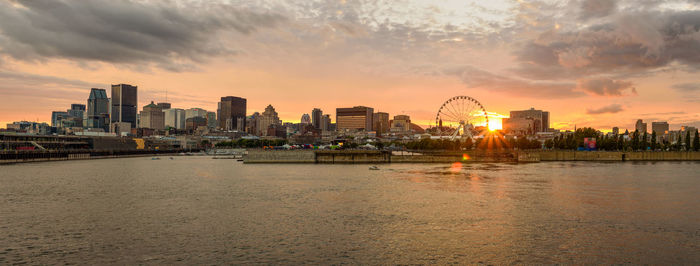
459,115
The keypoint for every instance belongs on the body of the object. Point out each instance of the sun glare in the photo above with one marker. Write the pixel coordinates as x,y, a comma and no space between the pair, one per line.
495,124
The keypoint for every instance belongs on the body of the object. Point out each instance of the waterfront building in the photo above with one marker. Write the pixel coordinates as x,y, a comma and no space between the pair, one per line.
305,119
316,116
355,118
29,127
269,118
537,120
661,128
124,104
380,122
640,126
232,114
98,109
401,124
174,118
152,117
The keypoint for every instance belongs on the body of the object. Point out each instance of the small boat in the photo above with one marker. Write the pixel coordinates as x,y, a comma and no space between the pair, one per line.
171,158
374,167
155,158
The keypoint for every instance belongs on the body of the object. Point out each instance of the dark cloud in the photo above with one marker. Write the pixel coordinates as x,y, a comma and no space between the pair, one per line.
169,36
609,109
687,87
606,87
629,43
597,8
477,78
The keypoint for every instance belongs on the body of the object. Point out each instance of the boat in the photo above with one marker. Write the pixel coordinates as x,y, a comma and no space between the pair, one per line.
374,167
155,158
171,158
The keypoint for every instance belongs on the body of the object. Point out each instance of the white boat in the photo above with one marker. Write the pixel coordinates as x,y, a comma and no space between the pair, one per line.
374,167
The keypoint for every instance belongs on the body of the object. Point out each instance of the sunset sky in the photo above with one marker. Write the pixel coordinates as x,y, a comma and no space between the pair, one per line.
599,63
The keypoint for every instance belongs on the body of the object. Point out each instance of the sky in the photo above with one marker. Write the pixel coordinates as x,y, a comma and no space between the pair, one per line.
595,63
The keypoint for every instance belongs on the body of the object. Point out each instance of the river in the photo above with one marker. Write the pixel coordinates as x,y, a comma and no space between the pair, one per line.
195,210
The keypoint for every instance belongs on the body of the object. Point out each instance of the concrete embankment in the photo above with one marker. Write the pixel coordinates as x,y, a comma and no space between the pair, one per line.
373,157
9,157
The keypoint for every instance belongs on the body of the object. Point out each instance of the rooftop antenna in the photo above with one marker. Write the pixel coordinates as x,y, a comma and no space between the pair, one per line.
166,94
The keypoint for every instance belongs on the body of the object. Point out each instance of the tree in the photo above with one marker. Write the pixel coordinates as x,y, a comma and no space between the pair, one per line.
653,140
635,140
644,142
687,140
678,142
696,142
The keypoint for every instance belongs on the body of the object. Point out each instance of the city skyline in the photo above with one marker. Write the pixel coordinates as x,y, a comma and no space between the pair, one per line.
520,55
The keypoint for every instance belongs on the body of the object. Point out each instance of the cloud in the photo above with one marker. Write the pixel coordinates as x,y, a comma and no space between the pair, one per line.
687,87
477,78
609,109
169,36
597,8
606,87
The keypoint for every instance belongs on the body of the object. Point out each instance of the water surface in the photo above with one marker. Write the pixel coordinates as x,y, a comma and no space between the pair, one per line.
195,210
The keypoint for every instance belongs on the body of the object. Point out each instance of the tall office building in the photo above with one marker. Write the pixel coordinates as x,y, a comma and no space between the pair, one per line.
233,113
195,112
316,116
267,119
211,120
174,118
98,109
661,128
640,126
326,123
124,104
380,122
152,117
355,118
57,116
305,119
164,106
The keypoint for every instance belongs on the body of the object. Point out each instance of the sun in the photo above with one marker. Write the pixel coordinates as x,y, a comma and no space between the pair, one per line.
495,124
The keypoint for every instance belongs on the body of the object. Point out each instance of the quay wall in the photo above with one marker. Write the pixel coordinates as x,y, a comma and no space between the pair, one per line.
10,157
374,157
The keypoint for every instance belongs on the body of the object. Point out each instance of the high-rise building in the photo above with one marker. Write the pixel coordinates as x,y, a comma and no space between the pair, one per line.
98,109
152,117
355,118
174,118
316,116
124,104
640,126
164,106
195,112
540,119
661,128
57,116
211,120
233,113
268,118
380,123
192,123
326,123
305,119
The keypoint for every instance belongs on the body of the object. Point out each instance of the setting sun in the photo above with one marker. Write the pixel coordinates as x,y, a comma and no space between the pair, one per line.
495,124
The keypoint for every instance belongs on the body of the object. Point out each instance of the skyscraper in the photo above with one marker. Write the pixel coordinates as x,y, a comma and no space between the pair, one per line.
326,123
267,119
355,118
661,128
152,117
98,109
640,126
233,113
316,116
305,119
174,118
380,122
124,104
